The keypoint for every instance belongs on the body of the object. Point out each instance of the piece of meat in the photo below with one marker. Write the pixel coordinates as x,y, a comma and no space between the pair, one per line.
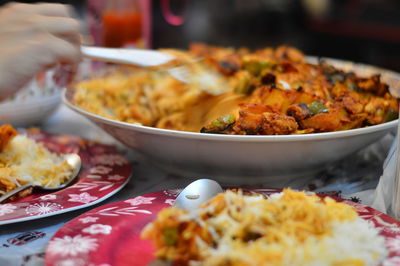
229,65
278,124
373,84
290,53
259,119
7,133
322,122
299,111
351,104
248,123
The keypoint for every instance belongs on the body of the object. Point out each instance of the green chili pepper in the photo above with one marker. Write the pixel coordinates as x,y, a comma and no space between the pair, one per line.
217,123
170,235
380,112
228,119
244,83
316,108
352,86
391,115
255,67
337,78
223,121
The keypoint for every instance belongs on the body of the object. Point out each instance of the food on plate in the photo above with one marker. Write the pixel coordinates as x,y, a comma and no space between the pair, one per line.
23,160
269,92
288,228
7,133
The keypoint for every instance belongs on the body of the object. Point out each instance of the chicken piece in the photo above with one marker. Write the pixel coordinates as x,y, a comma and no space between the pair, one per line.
258,119
276,99
250,119
299,111
373,84
7,133
340,89
278,124
351,104
248,123
229,65
290,53
267,53
376,109
256,108
200,49
323,122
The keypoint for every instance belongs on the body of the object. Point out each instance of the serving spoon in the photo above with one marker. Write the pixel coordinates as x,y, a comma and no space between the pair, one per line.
196,193
137,57
74,160
208,80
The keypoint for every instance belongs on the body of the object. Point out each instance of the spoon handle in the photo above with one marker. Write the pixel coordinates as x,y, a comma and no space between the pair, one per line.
14,192
137,57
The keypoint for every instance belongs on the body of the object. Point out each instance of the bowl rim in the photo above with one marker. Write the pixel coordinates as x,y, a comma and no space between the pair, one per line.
31,103
223,137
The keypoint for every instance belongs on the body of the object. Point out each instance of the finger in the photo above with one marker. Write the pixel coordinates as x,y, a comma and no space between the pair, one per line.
64,52
74,39
59,25
64,74
56,10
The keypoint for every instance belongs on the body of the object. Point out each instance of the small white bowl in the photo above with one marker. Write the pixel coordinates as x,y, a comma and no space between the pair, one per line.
30,112
31,105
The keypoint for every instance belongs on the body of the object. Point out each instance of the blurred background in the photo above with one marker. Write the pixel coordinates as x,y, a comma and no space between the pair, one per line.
365,31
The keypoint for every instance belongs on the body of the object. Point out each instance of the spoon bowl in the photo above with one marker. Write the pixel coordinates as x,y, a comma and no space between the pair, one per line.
196,193
74,160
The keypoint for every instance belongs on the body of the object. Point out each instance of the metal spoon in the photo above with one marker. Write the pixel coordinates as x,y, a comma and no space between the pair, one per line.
74,160
196,193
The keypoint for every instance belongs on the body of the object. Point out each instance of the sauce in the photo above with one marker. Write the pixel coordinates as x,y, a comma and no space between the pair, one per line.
121,28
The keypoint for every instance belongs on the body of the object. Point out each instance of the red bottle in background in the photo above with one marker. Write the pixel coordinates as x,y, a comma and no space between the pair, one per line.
119,23
125,23
122,24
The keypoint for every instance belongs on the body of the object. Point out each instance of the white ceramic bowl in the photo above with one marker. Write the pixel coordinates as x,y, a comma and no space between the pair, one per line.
31,105
244,159
29,113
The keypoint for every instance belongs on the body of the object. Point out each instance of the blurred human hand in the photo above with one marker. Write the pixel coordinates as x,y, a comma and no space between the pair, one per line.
35,37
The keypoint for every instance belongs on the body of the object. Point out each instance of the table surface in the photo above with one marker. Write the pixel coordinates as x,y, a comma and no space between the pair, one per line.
356,177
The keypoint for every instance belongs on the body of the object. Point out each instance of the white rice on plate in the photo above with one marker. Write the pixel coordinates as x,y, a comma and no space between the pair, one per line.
23,160
293,228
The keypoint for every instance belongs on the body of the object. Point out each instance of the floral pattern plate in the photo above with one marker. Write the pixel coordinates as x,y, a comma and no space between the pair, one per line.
104,172
110,235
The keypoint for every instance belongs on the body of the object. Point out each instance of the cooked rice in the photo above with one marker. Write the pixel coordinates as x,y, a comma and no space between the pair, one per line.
24,161
291,229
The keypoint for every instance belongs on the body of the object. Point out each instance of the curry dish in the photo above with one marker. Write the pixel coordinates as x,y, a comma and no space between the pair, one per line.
264,92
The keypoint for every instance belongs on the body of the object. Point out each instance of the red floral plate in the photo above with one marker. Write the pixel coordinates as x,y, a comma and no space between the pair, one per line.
104,172
110,234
